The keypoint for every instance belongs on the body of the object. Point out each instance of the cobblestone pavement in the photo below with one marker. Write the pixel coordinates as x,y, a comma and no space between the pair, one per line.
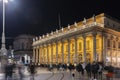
44,74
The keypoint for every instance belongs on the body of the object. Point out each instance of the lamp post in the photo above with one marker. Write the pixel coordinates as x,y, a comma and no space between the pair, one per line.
3,51
3,47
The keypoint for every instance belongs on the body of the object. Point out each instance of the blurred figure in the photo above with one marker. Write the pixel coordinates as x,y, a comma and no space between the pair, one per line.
80,69
95,68
20,72
100,70
110,73
88,69
9,71
32,70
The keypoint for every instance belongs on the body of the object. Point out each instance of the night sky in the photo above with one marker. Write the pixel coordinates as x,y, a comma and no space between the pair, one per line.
38,17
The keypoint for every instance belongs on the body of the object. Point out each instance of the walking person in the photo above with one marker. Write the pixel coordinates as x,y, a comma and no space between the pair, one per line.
80,69
88,69
110,73
100,71
32,70
95,68
8,71
20,72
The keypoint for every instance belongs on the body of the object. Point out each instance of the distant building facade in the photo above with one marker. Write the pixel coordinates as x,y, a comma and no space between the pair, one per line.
93,39
22,46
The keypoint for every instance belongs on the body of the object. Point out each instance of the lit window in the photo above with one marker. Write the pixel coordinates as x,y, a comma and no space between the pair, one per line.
66,48
88,45
80,46
73,47
97,43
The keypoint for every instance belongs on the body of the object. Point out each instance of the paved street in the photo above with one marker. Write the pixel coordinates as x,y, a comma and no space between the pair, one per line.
44,74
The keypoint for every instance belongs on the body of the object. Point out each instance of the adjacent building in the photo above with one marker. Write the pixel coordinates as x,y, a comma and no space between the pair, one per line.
93,39
22,46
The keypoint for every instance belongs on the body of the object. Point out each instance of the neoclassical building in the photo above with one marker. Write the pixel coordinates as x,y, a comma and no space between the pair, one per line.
22,45
93,39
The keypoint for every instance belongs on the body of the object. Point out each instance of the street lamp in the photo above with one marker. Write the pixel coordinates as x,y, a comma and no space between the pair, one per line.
3,47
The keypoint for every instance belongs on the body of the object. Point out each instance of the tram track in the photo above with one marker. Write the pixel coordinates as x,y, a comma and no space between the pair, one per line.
50,76
56,76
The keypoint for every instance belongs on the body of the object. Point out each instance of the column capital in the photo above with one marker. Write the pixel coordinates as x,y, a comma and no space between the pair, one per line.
105,35
75,37
84,36
94,34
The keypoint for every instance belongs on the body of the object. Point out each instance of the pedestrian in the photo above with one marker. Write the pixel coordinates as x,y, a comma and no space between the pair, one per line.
80,69
8,71
32,70
20,72
100,70
109,75
95,68
88,69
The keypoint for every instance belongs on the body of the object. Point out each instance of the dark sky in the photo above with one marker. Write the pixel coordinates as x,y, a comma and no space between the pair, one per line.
39,17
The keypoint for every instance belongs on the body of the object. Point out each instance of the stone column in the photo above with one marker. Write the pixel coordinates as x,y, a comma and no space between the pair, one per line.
43,52
84,42
57,52
62,50
104,53
76,58
51,53
111,42
40,55
116,44
94,47
47,54
68,51
36,55
33,58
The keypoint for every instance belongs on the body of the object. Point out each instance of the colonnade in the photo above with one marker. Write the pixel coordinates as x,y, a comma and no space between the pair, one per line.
83,48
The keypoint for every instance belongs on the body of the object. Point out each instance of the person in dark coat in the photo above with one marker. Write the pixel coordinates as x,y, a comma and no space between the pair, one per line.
32,70
79,68
8,71
88,69
95,68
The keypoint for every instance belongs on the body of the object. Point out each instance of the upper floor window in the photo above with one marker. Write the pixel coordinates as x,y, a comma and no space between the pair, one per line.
118,45
108,23
108,43
114,44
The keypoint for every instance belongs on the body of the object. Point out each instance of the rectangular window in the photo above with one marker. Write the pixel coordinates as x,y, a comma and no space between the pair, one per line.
114,44
108,43
80,46
118,45
97,43
66,48
73,47
88,45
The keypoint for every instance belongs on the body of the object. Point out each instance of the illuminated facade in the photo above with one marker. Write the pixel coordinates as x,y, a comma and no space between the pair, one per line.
93,39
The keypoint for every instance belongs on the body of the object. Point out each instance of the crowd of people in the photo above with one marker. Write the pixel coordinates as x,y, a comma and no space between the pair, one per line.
94,70
19,69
